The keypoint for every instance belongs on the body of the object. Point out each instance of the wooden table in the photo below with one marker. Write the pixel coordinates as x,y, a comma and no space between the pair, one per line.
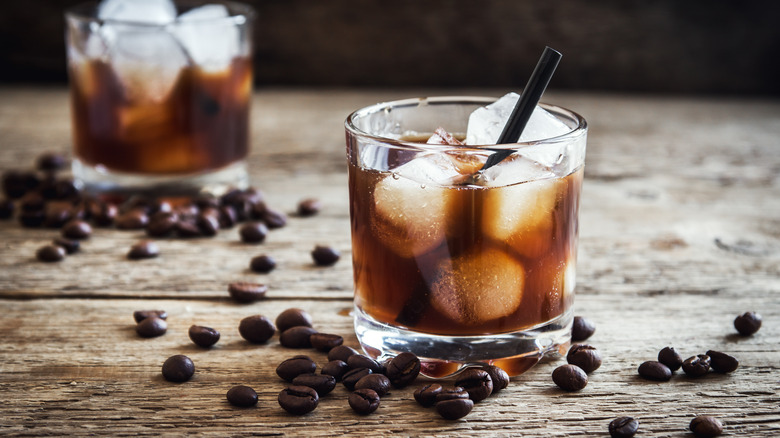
680,233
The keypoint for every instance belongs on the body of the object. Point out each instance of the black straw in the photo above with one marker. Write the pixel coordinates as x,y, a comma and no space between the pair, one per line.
532,92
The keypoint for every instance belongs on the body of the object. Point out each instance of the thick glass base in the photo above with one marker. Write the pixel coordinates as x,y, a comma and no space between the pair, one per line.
444,356
100,180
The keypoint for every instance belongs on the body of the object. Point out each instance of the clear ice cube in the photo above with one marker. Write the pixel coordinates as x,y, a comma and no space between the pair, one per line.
139,11
209,36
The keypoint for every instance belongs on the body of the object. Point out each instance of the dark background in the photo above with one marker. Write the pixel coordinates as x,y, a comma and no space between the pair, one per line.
660,46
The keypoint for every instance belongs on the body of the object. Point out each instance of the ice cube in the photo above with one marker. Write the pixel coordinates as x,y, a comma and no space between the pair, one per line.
486,123
516,169
478,287
209,36
140,11
440,136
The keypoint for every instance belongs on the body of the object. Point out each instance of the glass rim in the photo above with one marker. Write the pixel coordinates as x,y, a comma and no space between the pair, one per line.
351,127
240,13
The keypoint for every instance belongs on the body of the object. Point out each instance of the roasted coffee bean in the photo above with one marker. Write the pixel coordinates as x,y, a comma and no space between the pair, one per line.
7,208
722,362
70,246
135,219
476,382
258,211
76,229
51,161
378,382
203,336
426,395
253,232
16,183
403,369
452,393
325,341
188,211
454,409
57,214
696,366
293,317
207,224
623,427
274,219
342,353
298,400
322,383
500,377
584,356
295,366
31,219
364,401
671,358
705,426
140,315
242,396
309,207
162,224
244,292
570,377
151,327
144,249
178,368
187,228
50,253
336,368
653,370
296,337
325,255
256,329
747,323
104,215
32,202
582,328
227,217
351,377
362,361
262,264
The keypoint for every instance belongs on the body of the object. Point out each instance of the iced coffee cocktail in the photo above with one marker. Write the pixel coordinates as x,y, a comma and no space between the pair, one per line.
456,264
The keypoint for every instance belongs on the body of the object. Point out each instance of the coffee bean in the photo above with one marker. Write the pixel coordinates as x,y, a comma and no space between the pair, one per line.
140,315
378,382
706,426
351,377
325,341
135,219
70,246
298,400
244,292
362,361
364,401
653,370
293,317
76,229
151,327
570,377
426,395
207,224
322,383
32,202
262,264
162,224
203,336
295,366
722,362
452,393
309,207
584,356
178,368
454,409
476,382
253,232
137,202
17,183
623,427
335,368
296,337
696,366
144,249
104,215
187,228
31,219
274,219
325,255
50,253
748,323
403,369
671,358
227,217
582,328
51,161
242,396
342,353
57,214
256,329
7,208
500,377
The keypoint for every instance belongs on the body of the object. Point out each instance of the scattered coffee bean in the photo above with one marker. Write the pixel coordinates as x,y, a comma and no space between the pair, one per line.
227,216
362,361
50,253
298,400
747,323
378,382
426,395
104,215
342,353
140,315
322,383
500,377
696,366
187,228
403,369
203,336
151,327
132,220
208,224
31,219
178,368
295,366
336,368
454,409
671,358
582,328
570,377
274,219
623,427
706,426
351,377
253,232
144,249
262,264
309,207
476,382
76,229
7,208
722,362
57,214
653,370
162,224
584,356
51,161
325,255
256,329
452,393
70,246
293,317
17,183
296,337
364,401
242,396
325,341
244,292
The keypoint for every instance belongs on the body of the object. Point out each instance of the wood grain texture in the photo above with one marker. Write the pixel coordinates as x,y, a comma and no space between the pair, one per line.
679,233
